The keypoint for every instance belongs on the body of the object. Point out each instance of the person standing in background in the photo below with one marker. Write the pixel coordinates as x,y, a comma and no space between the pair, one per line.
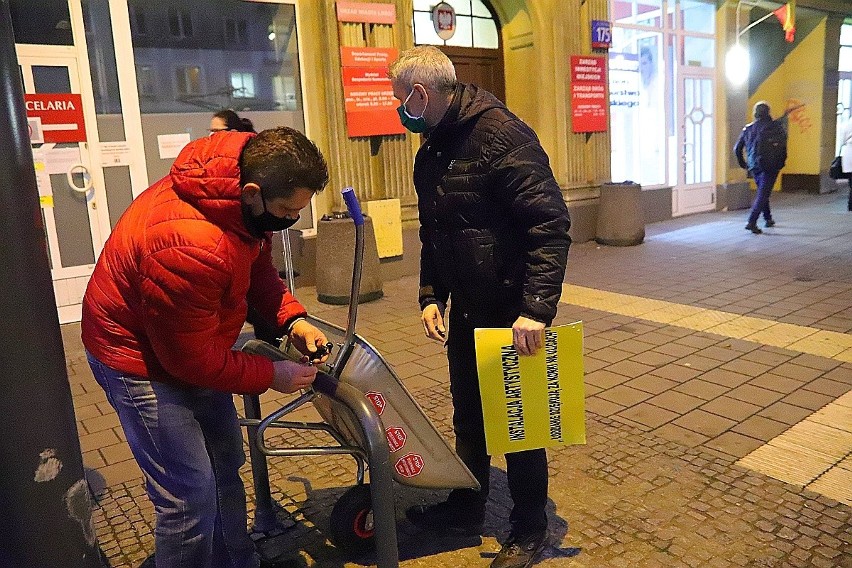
226,119
846,157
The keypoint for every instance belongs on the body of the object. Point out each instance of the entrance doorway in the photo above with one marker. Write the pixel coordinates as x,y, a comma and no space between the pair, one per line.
73,209
483,67
695,190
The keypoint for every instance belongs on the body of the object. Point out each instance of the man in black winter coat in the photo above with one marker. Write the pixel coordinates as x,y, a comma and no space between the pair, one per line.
494,234
765,143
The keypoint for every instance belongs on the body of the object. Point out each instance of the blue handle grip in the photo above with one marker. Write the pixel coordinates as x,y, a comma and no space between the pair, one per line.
352,205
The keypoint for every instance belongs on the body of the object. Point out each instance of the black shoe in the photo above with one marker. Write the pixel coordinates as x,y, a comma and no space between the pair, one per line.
521,551
449,517
770,223
753,228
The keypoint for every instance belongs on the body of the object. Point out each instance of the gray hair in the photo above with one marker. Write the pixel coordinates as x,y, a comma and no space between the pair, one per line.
424,64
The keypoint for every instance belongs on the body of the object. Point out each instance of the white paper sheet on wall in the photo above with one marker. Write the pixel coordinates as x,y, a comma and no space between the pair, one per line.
387,224
115,154
170,145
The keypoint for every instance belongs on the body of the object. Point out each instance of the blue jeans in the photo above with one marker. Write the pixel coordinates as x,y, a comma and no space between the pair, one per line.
188,443
765,181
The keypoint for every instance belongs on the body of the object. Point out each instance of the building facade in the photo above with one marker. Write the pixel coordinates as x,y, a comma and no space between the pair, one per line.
149,76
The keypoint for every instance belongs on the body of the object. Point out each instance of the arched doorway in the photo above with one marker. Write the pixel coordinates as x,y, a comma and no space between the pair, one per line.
475,48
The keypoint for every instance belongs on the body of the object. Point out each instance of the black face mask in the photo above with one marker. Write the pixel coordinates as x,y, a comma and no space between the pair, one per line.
266,221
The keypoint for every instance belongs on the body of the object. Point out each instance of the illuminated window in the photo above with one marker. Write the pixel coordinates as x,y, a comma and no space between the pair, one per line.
475,26
242,85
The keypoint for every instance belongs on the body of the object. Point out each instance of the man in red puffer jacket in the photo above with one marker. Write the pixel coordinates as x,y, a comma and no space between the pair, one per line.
165,304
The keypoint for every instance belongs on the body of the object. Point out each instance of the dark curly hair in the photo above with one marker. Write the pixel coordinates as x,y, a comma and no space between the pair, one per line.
233,121
281,159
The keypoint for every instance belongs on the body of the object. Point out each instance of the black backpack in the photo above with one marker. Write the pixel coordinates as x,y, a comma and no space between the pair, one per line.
771,152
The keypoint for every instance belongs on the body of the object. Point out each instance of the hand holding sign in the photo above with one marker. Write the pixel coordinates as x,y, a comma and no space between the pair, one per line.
535,401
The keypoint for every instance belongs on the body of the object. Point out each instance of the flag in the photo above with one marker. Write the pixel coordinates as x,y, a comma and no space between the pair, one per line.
786,14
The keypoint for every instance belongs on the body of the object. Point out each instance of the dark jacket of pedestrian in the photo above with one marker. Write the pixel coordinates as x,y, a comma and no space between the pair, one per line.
494,226
750,141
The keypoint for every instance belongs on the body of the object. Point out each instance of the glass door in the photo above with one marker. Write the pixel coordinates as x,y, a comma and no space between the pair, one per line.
695,190
70,210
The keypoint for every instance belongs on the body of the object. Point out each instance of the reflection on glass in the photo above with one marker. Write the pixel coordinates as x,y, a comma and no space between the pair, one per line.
699,51
102,64
845,63
637,108
698,15
698,126
52,26
187,60
641,12
50,79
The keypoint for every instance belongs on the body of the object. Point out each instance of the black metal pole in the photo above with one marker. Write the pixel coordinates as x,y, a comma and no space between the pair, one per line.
45,505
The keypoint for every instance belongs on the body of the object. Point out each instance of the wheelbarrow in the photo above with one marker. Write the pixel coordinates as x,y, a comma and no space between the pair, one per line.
372,417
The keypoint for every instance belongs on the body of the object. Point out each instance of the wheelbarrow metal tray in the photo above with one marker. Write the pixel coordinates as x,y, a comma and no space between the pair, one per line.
420,455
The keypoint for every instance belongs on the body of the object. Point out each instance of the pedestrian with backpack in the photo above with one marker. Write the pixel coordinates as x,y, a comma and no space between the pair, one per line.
765,143
846,158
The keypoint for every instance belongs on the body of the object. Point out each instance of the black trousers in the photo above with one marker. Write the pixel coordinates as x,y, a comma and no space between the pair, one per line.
527,471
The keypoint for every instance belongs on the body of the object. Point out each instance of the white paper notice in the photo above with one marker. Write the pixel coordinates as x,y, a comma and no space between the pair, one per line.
60,160
45,192
115,154
170,145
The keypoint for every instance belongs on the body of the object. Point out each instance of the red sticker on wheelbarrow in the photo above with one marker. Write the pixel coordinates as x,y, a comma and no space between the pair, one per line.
378,401
396,438
409,465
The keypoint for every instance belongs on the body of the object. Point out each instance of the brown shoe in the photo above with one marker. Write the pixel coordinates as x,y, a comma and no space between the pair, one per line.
521,551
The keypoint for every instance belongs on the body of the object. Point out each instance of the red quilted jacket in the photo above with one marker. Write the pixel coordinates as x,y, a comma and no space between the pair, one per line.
173,284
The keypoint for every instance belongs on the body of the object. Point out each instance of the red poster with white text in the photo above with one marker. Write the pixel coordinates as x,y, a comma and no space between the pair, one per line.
588,93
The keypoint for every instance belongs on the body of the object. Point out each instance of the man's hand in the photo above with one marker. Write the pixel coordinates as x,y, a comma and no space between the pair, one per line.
307,338
793,108
527,335
291,376
433,323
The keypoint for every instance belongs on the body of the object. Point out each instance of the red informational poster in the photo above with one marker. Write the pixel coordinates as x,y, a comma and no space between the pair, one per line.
366,12
370,105
61,116
588,93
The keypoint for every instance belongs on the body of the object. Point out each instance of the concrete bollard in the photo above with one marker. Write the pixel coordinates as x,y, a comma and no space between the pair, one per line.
335,255
621,220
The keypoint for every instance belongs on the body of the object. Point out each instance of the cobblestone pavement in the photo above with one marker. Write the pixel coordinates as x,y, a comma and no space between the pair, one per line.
671,410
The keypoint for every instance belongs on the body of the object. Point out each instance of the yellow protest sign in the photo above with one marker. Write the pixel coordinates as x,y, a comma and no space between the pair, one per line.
531,402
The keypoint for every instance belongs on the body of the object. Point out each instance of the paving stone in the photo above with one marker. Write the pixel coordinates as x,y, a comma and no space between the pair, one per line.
731,408
676,401
704,423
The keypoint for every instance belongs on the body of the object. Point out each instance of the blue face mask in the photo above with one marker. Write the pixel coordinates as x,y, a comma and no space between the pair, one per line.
416,124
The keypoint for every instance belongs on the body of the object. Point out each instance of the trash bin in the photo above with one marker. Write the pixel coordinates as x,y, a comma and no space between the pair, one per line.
621,220
335,256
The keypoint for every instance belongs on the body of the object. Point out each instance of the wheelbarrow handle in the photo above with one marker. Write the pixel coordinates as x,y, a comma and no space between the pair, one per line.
352,205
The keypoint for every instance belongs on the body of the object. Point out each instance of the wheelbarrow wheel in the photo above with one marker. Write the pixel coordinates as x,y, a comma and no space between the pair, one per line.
352,527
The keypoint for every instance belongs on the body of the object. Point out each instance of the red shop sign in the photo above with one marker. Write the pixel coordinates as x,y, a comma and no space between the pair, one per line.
61,116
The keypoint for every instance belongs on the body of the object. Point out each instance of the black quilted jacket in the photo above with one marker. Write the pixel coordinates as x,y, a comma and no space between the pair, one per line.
494,226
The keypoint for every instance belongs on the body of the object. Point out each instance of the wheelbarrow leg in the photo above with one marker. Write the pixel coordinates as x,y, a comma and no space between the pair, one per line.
265,520
384,515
